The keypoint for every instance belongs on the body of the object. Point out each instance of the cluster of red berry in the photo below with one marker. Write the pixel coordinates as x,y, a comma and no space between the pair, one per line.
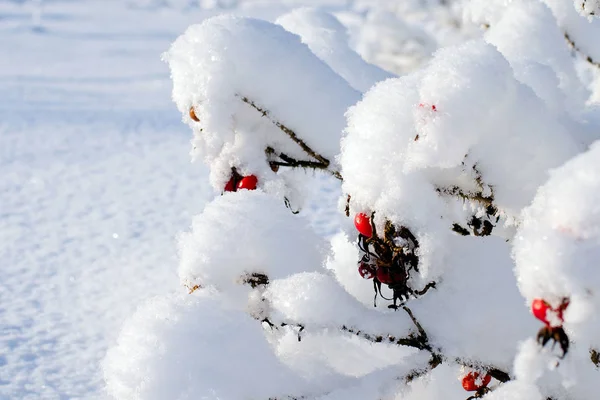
387,258
367,267
553,320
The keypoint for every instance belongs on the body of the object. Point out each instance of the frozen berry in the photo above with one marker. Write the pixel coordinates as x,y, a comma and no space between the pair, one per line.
384,275
471,382
363,224
248,182
230,186
548,315
367,271
540,309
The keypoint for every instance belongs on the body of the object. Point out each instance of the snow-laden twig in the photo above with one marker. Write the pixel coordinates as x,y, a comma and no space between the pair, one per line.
578,50
323,163
418,341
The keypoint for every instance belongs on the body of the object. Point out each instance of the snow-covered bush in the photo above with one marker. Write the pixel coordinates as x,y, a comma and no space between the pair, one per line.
473,186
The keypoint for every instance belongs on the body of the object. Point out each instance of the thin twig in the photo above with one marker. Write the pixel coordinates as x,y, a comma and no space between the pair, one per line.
410,341
576,49
476,197
292,135
494,372
433,363
422,332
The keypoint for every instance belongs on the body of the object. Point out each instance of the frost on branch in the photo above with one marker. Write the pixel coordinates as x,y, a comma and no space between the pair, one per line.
256,97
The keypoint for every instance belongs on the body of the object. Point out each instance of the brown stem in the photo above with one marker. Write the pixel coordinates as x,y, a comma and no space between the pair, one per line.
595,357
576,49
410,341
292,135
422,332
434,362
494,372
476,197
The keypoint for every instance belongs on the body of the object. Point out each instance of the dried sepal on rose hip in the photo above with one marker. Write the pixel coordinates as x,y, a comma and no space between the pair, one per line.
193,114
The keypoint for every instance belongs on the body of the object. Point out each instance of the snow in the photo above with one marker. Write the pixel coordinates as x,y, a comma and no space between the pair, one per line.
540,61
242,77
73,263
557,244
126,272
95,187
481,137
146,366
231,240
97,184
588,7
328,39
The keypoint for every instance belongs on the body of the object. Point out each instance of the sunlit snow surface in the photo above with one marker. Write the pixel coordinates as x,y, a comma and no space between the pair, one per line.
96,183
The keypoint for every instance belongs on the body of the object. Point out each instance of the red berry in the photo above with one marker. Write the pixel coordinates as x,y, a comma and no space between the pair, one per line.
471,383
384,276
363,224
388,276
230,186
248,182
367,271
548,315
540,308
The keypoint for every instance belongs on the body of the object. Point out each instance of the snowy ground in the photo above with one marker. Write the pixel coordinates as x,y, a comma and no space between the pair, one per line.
96,182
